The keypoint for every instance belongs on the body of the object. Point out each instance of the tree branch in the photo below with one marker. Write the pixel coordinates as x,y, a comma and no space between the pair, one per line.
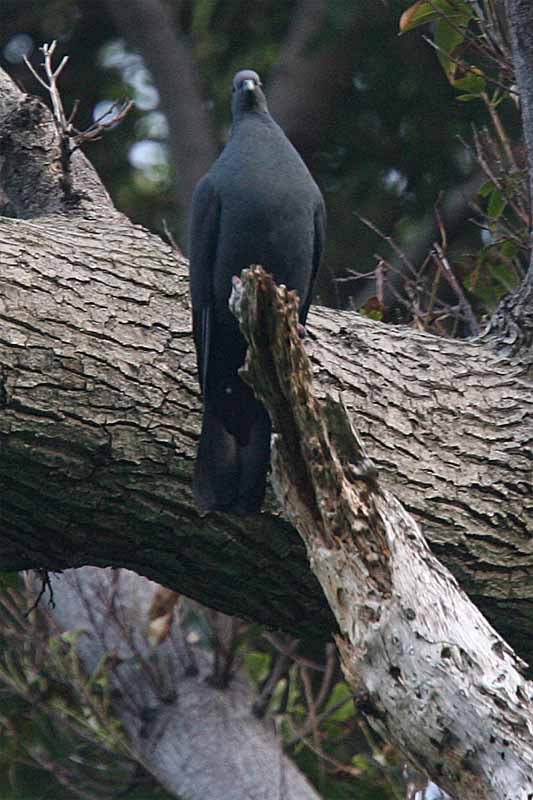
511,328
198,741
442,685
45,184
100,413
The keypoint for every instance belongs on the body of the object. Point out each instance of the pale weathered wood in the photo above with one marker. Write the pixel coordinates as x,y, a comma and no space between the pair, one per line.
440,682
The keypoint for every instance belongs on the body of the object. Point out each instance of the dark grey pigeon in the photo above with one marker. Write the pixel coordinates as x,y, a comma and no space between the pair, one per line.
258,204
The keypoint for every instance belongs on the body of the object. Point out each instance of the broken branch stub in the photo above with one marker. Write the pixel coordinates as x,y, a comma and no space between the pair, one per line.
318,457
442,684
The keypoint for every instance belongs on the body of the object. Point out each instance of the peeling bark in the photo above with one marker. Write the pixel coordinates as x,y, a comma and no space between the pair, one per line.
441,683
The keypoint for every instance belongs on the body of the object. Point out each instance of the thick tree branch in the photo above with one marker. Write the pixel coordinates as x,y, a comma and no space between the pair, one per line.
198,741
520,17
441,684
100,417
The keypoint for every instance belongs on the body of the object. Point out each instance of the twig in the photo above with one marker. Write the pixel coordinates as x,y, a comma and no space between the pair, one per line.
64,124
278,671
45,584
94,131
327,680
390,241
286,649
494,178
457,288
171,239
468,68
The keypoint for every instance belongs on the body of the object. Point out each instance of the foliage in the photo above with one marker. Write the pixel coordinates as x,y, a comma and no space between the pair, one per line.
58,736
318,718
386,151
471,42
449,293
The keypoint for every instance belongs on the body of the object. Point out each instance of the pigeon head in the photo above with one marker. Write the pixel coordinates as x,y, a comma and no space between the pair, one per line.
248,93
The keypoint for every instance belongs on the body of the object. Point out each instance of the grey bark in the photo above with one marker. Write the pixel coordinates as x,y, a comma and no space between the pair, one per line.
100,417
199,742
520,18
512,325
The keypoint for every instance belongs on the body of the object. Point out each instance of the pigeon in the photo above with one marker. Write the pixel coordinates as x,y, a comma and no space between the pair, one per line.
258,204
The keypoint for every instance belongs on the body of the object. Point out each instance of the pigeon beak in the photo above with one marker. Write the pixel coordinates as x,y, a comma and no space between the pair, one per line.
248,85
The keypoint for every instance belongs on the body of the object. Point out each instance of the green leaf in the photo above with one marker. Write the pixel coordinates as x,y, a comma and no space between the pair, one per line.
471,83
341,696
502,275
486,189
360,761
448,38
258,665
509,249
497,204
424,11
10,580
416,15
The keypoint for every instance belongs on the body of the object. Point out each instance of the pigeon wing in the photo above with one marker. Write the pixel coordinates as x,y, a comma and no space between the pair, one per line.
318,249
204,228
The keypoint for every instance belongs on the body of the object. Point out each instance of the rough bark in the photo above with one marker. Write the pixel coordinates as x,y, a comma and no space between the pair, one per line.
198,741
511,328
440,683
520,17
100,416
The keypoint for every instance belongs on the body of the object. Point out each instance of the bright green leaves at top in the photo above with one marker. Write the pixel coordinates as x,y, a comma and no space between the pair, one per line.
455,13
451,18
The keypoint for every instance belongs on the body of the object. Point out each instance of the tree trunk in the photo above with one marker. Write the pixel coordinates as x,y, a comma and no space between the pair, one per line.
197,740
100,415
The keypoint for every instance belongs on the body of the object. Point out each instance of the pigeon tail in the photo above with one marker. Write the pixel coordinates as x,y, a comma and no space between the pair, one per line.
231,476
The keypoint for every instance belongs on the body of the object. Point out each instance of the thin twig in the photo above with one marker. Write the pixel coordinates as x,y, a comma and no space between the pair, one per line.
457,288
63,123
468,68
390,241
